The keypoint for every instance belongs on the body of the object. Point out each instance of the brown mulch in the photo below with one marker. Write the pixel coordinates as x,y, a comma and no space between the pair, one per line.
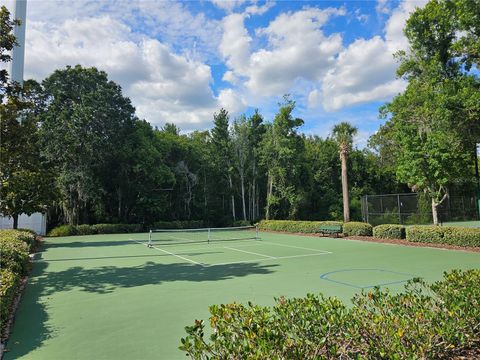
389,241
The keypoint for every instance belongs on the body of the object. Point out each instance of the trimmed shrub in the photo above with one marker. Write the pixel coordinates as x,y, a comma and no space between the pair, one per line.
27,236
63,230
444,235
179,224
425,234
14,254
9,282
389,231
437,321
117,228
461,236
307,227
354,228
85,229
69,230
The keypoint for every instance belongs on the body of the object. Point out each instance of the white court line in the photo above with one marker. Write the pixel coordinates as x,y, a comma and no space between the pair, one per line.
250,252
278,258
170,253
297,247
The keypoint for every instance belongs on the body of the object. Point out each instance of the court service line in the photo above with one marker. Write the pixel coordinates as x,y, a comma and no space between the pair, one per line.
170,253
250,252
297,247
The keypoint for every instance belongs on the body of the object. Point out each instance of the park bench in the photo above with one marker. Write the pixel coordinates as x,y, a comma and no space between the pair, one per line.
330,230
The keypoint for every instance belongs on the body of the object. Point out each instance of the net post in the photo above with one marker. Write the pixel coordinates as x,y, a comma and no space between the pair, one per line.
208,240
150,238
256,232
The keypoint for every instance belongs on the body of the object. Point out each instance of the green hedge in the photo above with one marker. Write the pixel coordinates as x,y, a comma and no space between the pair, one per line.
14,254
389,231
25,235
423,322
70,230
179,224
444,235
9,281
307,227
354,228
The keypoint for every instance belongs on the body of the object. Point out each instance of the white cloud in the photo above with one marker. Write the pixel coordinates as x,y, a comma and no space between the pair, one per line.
232,101
382,7
365,70
297,49
259,10
163,85
228,5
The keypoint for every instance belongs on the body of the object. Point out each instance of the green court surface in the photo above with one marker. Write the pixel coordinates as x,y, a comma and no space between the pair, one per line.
111,297
469,224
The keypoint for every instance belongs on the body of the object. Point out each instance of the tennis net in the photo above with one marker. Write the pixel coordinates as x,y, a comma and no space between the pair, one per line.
185,236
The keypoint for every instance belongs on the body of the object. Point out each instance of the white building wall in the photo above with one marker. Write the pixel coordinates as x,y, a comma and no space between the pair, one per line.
36,222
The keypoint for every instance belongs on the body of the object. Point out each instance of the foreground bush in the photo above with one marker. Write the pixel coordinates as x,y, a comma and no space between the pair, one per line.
425,321
389,231
354,228
9,282
444,235
70,230
307,227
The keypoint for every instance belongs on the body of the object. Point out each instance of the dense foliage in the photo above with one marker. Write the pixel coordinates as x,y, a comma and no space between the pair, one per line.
424,321
14,260
433,126
103,165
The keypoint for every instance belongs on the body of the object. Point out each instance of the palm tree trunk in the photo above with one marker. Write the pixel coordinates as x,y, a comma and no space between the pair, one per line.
346,203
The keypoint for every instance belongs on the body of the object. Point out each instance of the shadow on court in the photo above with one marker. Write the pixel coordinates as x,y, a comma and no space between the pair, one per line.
31,327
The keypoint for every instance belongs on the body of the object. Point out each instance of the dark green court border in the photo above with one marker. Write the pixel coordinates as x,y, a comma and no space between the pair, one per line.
325,277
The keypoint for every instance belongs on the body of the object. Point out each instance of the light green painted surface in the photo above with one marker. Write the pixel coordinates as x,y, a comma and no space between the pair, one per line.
105,297
469,224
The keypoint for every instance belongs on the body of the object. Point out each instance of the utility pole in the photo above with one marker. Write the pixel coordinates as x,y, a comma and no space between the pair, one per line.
18,53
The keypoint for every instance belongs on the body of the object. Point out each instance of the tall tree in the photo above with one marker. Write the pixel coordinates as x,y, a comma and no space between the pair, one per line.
223,145
257,131
7,42
242,154
343,134
282,156
83,129
434,123
25,180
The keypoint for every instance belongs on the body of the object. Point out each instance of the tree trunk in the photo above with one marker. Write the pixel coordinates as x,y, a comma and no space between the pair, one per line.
269,195
233,197
242,180
346,203
15,221
435,212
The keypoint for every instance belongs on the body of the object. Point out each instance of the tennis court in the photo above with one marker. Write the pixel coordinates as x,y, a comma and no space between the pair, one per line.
115,297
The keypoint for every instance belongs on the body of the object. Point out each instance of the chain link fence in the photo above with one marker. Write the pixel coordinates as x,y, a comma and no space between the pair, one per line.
413,208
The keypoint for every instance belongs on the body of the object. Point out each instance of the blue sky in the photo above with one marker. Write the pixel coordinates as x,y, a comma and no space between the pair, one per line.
182,61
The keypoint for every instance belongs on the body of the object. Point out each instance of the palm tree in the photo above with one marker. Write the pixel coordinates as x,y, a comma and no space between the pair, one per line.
343,134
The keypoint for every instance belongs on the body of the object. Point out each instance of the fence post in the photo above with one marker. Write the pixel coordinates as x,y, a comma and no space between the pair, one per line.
366,206
399,209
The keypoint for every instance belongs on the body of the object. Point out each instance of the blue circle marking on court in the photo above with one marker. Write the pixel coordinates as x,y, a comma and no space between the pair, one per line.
403,277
